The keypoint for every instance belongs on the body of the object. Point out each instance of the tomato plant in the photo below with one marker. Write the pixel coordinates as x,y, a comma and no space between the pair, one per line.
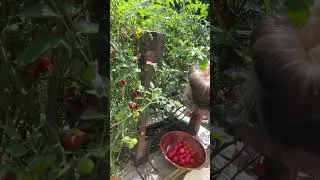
51,90
187,42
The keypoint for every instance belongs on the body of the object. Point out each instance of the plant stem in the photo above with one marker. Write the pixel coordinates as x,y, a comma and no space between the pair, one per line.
113,125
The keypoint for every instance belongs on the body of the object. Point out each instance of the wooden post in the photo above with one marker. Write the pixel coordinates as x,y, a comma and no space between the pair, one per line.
151,46
194,123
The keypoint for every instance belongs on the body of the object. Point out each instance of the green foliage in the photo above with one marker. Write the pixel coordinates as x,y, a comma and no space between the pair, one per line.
187,42
34,109
299,11
37,47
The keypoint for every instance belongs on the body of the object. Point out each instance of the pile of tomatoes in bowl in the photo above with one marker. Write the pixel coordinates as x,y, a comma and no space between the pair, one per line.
183,150
182,154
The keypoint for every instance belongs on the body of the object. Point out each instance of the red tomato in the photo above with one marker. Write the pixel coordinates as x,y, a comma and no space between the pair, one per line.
148,59
114,178
187,159
171,154
175,158
66,141
184,143
133,106
192,153
123,82
192,161
182,162
43,64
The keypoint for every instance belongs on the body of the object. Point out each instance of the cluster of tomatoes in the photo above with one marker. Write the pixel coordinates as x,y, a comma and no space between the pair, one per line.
182,154
133,94
85,166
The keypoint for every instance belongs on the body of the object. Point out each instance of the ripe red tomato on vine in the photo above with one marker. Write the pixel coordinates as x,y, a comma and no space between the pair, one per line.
40,66
133,106
75,141
123,82
43,64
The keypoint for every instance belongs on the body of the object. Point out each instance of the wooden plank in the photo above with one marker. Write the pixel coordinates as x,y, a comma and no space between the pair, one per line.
142,152
149,46
229,151
161,165
204,136
130,174
194,122
146,171
177,174
137,178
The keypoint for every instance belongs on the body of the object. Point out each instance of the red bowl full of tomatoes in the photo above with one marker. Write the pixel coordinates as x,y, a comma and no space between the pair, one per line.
183,150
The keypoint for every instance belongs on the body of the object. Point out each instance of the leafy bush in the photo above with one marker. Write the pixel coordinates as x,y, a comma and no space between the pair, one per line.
50,92
187,42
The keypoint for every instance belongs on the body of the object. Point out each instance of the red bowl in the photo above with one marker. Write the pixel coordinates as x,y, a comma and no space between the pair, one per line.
170,139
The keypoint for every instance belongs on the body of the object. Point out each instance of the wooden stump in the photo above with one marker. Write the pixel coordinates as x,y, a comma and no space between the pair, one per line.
194,123
151,46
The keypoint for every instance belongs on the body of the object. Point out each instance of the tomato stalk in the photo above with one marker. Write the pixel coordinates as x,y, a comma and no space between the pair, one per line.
142,109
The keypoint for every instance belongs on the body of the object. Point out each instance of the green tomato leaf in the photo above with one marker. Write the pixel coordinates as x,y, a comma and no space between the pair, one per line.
71,9
39,45
10,131
38,11
91,113
16,149
50,159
